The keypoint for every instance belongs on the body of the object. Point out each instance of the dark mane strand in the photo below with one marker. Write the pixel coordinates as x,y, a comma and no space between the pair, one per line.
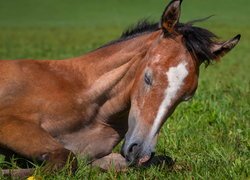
143,26
197,40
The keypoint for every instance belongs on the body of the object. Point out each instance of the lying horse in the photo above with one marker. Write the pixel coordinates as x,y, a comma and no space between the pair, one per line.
52,110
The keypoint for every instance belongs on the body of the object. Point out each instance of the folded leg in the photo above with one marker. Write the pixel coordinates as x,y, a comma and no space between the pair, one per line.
113,161
31,141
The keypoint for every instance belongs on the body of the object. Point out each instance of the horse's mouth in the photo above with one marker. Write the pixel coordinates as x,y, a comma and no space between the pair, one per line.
144,160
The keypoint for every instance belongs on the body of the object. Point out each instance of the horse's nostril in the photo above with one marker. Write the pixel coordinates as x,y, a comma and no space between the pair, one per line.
131,152
132,148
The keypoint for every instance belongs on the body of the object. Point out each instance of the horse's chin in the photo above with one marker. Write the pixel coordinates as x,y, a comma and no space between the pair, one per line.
145,159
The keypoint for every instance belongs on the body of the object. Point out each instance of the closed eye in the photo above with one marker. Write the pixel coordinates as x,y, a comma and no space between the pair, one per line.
148,79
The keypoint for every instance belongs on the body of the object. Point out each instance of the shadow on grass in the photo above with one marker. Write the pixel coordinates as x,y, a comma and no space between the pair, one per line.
167,163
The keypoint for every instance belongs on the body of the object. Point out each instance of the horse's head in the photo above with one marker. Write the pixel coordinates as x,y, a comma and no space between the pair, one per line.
167,76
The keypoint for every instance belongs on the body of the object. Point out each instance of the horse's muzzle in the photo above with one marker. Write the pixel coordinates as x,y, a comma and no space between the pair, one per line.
135,154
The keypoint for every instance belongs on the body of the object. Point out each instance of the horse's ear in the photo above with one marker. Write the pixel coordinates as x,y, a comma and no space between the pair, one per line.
171,16
221,49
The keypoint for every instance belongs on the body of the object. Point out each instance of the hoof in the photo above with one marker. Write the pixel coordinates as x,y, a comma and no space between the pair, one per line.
113,161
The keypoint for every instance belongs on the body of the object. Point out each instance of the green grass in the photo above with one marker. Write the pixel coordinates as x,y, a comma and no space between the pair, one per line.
208,136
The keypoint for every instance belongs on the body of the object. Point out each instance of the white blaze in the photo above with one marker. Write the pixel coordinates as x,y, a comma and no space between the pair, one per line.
175,76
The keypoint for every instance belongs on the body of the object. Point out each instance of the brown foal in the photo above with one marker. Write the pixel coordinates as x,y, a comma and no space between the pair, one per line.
52,110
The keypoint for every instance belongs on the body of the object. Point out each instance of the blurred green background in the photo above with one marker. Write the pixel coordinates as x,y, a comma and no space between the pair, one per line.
76,26
209,136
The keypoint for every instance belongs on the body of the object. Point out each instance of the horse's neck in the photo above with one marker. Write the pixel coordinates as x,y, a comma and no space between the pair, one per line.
109,73
113,66
108,58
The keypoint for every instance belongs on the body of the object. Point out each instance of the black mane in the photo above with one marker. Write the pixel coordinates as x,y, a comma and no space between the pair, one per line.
197,40
143,26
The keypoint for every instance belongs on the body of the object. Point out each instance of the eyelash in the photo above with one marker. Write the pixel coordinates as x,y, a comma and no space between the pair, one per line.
147,80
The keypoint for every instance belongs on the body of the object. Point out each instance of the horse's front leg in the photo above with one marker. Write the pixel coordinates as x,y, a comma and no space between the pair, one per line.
31,141
101,140
112,161
117,162
94,142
